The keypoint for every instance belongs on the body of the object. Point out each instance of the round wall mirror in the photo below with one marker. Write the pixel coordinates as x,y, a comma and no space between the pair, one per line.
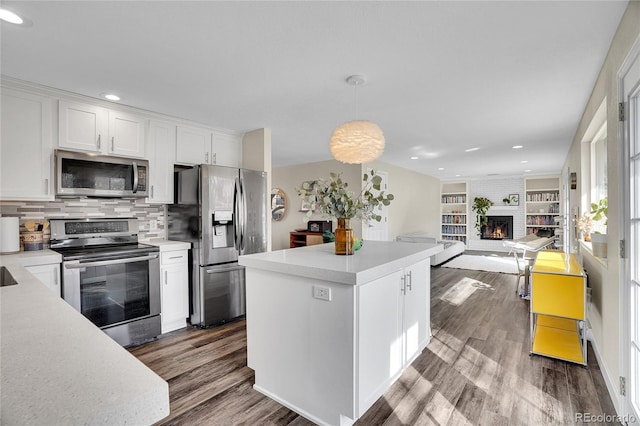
278,204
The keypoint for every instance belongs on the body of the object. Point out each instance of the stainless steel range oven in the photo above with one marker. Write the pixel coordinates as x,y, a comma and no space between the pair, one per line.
109,277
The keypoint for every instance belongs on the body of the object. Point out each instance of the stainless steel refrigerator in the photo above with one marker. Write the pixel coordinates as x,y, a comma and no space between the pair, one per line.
222,211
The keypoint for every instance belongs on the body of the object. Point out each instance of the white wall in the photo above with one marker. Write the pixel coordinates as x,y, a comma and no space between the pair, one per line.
604,277
290,178
496,189
416,206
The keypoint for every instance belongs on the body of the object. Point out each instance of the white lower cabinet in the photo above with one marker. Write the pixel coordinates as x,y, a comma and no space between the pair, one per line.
49,275
174,293
394,327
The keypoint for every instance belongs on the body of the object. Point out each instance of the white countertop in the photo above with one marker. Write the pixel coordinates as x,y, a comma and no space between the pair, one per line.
168,245
375,259
36,257
60,369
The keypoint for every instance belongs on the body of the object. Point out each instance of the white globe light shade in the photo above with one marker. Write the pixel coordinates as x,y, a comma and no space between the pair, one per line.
357,142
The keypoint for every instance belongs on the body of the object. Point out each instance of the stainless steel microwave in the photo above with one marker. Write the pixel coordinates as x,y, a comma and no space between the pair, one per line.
81,174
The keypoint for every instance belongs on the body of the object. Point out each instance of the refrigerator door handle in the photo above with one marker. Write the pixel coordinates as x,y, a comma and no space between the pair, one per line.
243,216
236,219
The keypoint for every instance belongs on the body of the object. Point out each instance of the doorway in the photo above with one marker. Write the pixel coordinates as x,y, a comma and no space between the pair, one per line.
629,83
378,231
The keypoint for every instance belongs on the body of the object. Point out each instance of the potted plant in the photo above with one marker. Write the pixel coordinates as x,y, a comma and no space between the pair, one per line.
333,198
599,213
481,206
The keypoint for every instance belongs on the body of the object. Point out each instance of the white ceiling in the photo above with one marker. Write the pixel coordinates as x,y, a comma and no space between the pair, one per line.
442,76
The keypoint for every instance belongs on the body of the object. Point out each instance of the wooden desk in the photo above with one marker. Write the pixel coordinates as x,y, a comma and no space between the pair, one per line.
558,307
304,238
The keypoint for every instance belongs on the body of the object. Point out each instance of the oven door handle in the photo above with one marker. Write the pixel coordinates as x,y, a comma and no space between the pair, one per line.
110,262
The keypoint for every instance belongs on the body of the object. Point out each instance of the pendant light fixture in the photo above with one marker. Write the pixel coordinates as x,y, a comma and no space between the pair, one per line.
358,141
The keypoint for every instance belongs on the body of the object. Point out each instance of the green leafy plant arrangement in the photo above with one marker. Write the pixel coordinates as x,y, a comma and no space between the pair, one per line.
481,206
599,211
333,198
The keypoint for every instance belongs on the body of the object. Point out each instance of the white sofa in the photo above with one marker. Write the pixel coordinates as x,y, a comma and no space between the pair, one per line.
451,248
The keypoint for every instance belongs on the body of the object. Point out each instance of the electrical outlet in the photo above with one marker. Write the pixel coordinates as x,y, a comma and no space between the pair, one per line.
322,293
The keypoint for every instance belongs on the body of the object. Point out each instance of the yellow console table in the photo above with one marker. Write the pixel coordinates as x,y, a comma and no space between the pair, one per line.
558,302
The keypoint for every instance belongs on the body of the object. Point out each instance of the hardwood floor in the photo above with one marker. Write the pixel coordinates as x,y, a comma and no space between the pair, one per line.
475,371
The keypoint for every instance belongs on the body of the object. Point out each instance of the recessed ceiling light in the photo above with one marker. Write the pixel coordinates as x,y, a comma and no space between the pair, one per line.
458,175
10,17
440,168
111,97
517,146
527,171
471,149
524,161
414,157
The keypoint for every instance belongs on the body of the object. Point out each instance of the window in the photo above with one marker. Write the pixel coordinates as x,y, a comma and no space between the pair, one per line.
598,171
594,165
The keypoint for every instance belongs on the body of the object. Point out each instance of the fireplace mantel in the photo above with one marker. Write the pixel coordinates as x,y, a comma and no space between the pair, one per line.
496,208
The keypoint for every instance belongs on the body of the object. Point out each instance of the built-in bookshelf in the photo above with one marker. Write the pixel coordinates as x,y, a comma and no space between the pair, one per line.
454,208
542,204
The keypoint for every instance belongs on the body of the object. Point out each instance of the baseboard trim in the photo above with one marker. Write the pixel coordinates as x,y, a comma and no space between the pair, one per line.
344,420
608,380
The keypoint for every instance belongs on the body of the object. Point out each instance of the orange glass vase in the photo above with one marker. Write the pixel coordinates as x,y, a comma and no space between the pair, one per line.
344,237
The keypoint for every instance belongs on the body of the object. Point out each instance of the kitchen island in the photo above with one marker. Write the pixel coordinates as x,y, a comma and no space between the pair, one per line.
57,368
327,335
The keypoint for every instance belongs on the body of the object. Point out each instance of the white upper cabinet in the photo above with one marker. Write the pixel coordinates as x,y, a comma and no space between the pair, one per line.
81,126
126,134
193,145
161,145
25,147
91,128
198,145
226,149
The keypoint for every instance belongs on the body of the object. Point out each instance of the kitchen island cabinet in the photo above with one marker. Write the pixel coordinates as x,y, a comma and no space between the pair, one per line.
327,335
58,368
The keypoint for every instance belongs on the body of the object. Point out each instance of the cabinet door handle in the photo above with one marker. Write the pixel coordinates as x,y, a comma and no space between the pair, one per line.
410,283
403,287
214,158
151,191
176,257
99,143
113,144
165,277
46,186
206,157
